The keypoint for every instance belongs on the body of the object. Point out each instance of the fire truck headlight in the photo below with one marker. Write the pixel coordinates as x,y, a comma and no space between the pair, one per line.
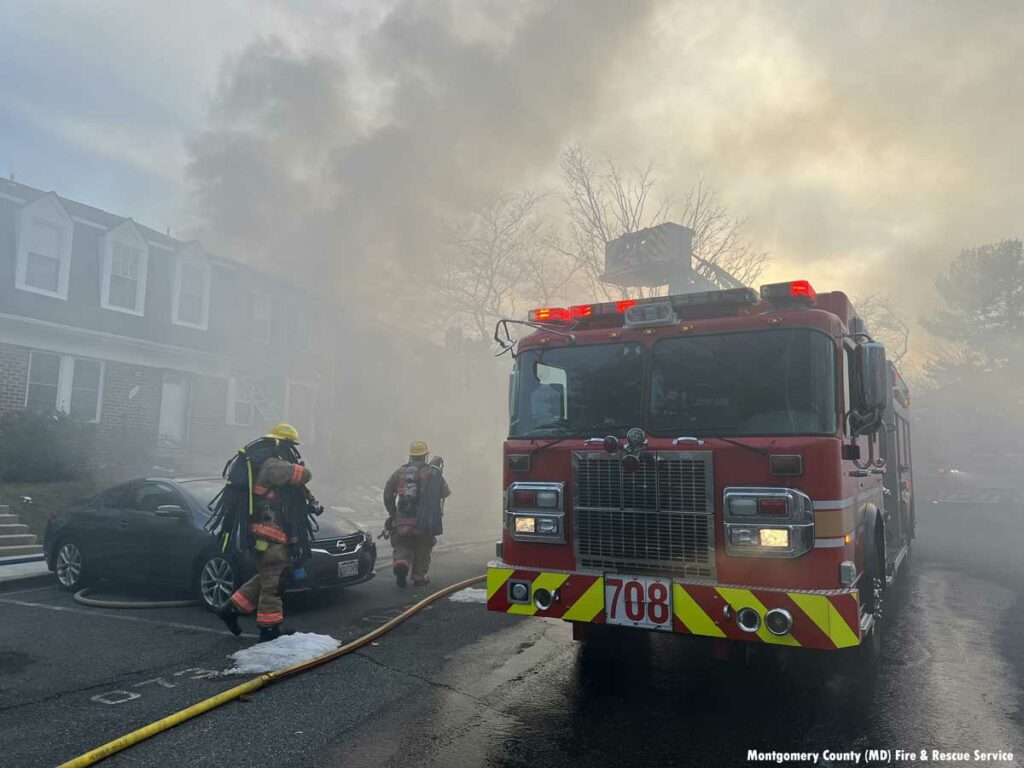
525,524
547,525
774,537
741,537
548,499
743,506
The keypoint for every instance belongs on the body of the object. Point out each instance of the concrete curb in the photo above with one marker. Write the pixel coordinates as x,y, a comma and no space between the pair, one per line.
21,573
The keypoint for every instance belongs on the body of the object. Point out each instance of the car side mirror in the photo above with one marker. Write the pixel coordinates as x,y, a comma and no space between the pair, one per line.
172,510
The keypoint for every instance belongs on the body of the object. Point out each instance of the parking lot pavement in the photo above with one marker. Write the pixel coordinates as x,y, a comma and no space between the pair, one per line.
74,677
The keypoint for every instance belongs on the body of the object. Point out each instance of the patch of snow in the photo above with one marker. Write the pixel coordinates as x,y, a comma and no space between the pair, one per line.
470,595
280,653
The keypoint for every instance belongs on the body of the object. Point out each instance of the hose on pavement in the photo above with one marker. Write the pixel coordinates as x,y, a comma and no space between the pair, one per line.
82,597
112,747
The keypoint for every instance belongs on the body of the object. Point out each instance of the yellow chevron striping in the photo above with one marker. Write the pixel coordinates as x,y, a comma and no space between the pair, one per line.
744,598
589,604
824,614
693,617
816,608
496,578
840,632
548,581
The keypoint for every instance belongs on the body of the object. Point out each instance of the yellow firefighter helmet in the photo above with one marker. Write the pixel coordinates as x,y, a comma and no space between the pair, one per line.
284,432
418,448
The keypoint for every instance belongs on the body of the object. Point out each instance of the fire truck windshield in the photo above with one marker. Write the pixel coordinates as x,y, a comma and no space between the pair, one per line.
577,390
776,382
772,382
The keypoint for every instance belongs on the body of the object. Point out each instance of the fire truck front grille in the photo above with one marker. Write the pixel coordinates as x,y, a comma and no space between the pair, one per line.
659,519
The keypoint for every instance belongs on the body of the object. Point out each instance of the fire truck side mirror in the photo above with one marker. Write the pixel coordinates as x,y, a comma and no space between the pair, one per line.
872,384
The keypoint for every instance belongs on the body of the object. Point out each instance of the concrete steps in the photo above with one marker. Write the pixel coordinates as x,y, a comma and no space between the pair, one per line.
15,540
27,549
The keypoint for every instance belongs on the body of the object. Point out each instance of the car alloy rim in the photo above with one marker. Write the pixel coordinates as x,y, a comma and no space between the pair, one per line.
69,565
217,581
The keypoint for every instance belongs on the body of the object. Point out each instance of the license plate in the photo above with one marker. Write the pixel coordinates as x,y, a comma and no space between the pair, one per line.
347,569
638,601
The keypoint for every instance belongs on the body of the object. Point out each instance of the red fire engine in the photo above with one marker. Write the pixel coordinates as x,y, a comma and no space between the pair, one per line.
725,464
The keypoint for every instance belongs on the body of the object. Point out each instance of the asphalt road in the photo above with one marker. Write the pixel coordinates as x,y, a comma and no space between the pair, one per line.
456,686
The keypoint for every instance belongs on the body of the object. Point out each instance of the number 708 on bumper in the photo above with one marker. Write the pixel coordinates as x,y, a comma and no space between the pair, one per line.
638,601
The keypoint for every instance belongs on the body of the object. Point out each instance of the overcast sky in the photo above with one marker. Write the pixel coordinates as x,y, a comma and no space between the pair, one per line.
865,142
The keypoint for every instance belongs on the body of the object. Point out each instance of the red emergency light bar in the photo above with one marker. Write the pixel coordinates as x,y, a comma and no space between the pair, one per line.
579,311
794,290
731,296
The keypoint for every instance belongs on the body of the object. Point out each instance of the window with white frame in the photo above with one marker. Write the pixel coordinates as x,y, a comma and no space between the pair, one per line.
239,404
42,262
192,293
125,262
73,385
260,318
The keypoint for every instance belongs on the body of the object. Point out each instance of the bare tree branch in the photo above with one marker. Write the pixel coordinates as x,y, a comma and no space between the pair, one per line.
495,258
603,203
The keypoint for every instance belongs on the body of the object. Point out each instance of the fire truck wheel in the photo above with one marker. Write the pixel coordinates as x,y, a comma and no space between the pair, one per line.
872,580
872,598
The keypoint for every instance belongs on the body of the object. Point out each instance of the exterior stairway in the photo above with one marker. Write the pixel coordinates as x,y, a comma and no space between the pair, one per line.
15,539
261,402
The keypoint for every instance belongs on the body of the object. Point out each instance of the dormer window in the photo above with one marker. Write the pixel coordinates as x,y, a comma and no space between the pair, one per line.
125,262
192,288
44,247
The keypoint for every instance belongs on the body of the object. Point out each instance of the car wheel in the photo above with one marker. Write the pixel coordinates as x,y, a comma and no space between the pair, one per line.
70,566
217,581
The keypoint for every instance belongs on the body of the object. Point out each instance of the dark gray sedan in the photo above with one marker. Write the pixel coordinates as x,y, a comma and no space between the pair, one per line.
152,530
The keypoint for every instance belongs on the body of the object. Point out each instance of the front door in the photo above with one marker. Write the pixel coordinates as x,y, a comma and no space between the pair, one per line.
163,542
174,410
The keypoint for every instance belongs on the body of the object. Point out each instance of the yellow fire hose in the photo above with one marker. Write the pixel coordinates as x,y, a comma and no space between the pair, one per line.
112,747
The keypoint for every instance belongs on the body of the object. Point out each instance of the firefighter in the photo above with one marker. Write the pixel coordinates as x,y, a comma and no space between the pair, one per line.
272,519
414,496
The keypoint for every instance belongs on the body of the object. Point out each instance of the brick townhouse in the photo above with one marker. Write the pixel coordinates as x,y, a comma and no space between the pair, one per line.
156,341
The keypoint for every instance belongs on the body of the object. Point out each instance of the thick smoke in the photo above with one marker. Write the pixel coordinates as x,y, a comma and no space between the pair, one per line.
345,175
865,144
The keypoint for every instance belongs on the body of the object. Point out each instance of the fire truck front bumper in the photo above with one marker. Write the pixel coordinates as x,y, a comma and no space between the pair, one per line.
814,619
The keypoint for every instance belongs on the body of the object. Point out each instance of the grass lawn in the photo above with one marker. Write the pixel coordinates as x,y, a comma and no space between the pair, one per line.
46,497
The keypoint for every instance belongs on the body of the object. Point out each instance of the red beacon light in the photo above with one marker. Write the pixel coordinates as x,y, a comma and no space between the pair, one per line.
579,311
550,315
794,290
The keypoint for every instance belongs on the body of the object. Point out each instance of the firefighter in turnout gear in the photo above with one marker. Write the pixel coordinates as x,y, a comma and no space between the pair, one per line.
273,522
414,497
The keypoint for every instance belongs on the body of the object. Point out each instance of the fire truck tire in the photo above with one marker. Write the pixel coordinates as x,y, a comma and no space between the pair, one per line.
872,580
872,595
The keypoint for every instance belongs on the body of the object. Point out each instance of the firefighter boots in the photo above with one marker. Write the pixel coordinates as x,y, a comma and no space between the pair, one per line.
229,615
273,632
401,571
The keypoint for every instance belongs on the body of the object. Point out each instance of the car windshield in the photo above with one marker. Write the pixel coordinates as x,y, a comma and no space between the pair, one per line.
774,382
203,491
577,390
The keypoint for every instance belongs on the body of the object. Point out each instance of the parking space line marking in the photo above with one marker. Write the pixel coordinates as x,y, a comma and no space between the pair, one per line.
26,591
135,619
